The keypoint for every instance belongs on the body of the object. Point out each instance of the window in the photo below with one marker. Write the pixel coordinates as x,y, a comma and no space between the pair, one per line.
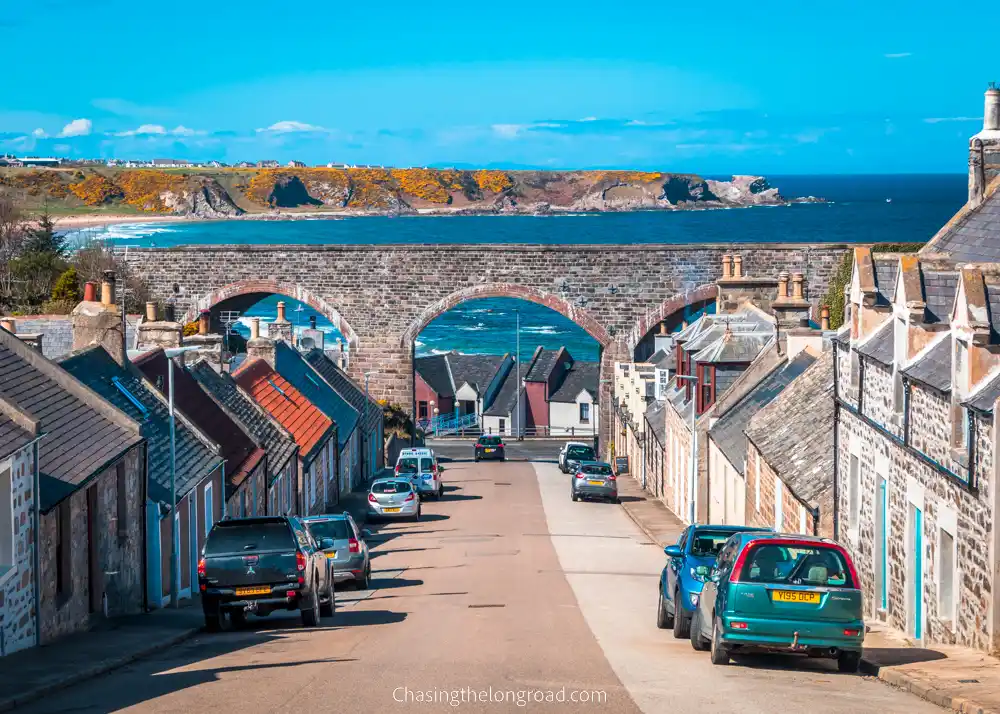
855,368
122,486
503,426
756,491
584,413
421,410
854,493
209,512
800,564
947,576
706,387
7,554
779,505
64,535
897,375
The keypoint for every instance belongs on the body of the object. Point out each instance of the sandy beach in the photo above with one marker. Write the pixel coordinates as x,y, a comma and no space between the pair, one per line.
107,219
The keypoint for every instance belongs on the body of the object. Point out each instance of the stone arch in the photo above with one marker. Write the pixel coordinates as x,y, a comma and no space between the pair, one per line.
250,288
578,315
656,315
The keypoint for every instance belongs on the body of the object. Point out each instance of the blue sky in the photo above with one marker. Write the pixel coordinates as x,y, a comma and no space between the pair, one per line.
784,87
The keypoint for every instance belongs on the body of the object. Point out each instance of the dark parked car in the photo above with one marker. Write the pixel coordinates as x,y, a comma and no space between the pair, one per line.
490,447
259,565
345,546
574,454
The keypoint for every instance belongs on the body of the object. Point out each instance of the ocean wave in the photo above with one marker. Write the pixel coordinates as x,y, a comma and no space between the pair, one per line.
542,330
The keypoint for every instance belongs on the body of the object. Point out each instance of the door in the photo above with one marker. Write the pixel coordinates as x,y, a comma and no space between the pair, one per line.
916,594
881,545
94,573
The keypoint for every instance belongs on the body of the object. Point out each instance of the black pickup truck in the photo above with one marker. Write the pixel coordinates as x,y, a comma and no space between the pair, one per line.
259,565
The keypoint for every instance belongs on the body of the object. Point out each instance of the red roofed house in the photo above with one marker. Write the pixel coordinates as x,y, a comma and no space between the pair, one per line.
314,432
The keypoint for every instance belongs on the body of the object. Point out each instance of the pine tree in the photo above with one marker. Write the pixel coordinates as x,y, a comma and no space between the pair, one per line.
42,238
67,287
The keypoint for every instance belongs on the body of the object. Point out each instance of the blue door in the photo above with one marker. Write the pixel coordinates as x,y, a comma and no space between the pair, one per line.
883,537
918,573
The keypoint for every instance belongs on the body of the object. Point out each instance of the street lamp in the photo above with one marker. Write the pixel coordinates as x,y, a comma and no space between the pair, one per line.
364,427
517,364
694,444
433,413
174,574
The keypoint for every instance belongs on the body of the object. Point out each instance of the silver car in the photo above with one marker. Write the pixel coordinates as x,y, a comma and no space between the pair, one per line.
393,497
345,546
594,479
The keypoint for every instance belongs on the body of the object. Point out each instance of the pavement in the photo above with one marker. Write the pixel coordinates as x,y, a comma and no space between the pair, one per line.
956,678
504,592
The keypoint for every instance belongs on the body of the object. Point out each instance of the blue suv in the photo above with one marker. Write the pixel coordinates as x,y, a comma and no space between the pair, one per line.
688,566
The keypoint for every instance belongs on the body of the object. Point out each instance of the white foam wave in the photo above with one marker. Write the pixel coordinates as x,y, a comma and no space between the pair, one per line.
541,330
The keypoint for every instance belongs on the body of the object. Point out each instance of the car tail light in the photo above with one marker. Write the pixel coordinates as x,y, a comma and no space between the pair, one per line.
579,474
852,633
611,477
300,562
290,593
371,498
741,559
353,546
738,625
410,497
501,444
201,568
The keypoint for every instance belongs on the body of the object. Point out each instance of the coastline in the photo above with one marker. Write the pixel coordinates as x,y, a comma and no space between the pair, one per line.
91,220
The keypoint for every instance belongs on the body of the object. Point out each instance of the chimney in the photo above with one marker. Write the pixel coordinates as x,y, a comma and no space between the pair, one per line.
663,328
108,288
727,266
824,318
737,266
90,291
281,311
169,313
991,115
783,285
797,286
204,322
984,148
312,322
281,328
151,312
259,347
255,328
9,324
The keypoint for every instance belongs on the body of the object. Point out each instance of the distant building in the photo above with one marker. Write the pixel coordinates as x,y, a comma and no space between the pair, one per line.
338,166
296,164
217,165
457,384
246,165
270,164
40,161
171,164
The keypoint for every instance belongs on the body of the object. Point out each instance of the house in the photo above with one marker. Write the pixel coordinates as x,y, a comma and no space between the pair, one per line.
89,463
371,424
790,454
296,164
315,434
171,164
560,394
506,414
458,384
634,393
277,442
245,461
268,164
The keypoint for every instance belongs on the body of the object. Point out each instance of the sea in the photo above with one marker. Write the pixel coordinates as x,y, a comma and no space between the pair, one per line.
899,208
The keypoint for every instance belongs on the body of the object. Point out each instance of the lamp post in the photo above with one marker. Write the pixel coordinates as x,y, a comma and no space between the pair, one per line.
433,414
174,574
364,427
517,364
694,446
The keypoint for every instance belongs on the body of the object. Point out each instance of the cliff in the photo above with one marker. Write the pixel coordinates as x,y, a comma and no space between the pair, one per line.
228,193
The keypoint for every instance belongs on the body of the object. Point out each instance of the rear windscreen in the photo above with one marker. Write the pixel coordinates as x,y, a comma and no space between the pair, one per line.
491,440
408,465
796,565
337,530
391,487
243,538
708,544
582,453
598,469
426,464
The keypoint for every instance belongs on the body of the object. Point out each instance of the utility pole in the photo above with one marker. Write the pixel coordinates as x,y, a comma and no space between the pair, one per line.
517,364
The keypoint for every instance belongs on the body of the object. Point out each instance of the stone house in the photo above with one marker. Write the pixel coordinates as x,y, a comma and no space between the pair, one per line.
917,378
267,433
90,497
314,433
245,461
634,391
789,454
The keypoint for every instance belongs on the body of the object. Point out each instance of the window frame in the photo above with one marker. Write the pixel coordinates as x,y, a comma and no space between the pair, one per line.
949,611
584,412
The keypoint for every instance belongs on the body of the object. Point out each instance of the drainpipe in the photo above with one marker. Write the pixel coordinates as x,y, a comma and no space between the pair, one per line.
836,443
37,559
145,523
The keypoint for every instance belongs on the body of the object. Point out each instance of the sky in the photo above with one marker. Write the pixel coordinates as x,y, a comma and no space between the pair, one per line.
730,87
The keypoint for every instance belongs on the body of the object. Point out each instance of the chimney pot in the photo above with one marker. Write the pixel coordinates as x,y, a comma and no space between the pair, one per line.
991,116
168,312
108,288
254,328
10,325
204,320
90,291
737,266
797,286
281,311
663,328
312,322
782,284
824,318
727,266
151,312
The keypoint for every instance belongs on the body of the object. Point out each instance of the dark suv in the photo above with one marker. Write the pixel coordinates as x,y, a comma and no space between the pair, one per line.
490,447
259,565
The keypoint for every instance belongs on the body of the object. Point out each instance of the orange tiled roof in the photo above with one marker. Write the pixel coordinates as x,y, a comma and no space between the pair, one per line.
298,415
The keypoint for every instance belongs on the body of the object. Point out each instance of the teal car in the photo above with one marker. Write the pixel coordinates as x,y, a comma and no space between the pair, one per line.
781,593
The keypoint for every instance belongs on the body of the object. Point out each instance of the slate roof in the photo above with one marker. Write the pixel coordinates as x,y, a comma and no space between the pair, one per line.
794,433
993,300
196,456
984,398
664,359
345,387
83,435
733,347
57,332
974,236
476,370
728,432
939,289
238,449
656,417
436,371
542,364
933,368
309,426
278,443
291,365
885,279
880,346
581,376
13,436
506,399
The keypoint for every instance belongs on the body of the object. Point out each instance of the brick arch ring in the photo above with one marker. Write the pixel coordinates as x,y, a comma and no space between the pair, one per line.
578,315
275,287
654,316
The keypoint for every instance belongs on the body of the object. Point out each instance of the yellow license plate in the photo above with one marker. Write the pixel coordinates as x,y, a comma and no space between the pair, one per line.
489,451
391,510
596,483
263,590
331,556
795,596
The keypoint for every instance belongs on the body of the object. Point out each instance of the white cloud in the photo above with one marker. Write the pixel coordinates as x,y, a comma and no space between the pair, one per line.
290,127
158,130
39,134
938,120
509,131
640,122
589,119
77,127
897,55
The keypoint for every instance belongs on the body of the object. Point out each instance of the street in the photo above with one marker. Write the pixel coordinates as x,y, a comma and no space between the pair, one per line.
503,586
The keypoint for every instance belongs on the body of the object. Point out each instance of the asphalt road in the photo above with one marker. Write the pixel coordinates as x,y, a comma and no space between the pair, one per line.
504,587
526,450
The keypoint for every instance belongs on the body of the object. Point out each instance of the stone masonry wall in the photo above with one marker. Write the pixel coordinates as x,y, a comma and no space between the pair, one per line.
17,590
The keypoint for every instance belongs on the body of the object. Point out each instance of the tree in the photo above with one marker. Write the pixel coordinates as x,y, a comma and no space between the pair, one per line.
42,238
12,237
92,260
65,294
38,264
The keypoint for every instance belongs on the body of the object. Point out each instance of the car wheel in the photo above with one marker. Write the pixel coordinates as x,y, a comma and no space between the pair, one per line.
682,625
664,619
417,517
848,662
326,609
213,619
363,582
719,652
477,459
310,615
697,640
238,618
573,495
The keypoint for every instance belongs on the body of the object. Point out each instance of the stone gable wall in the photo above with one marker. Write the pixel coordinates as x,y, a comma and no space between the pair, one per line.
877,404
17,591
791,507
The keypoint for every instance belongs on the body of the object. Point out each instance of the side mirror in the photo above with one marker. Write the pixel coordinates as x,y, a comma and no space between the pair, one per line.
326,543
702,570
365,533
673,551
